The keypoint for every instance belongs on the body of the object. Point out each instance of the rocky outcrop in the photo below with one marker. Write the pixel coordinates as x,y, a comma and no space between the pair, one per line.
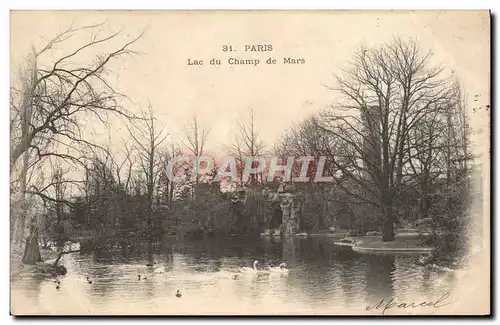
291,214
240,224
291,206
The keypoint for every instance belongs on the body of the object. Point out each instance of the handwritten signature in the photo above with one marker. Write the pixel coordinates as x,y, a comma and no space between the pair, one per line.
385,305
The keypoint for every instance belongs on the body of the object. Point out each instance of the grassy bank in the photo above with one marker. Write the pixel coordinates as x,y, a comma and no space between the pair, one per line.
404,241
401,243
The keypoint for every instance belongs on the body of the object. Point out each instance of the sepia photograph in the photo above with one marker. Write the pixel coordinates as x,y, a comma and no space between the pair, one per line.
247,163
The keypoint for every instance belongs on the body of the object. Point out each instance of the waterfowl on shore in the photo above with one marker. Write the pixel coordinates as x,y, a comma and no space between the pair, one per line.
138,277
178,294
89,281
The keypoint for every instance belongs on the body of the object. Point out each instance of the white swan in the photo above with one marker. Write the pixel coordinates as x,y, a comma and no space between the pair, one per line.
280,269
255,269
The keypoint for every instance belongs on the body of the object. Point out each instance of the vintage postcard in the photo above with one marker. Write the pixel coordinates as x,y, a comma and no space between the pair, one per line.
250,163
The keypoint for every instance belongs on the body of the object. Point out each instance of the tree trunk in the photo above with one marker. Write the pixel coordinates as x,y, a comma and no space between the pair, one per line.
32,249
150,252
26,116
425,204
388,225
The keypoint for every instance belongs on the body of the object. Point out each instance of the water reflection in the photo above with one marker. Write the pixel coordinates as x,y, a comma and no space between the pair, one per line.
379,278
323,278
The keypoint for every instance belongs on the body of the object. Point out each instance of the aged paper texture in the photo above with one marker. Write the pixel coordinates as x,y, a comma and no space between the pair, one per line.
250,163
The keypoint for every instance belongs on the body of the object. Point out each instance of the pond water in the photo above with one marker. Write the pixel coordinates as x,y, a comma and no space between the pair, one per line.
322,279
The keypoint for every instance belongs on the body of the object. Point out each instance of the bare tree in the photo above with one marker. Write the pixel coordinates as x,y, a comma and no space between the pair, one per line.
148,137
236,151
47,110
168,187
306,139
387,92
21,116
196,136
127,163
56,98
247,143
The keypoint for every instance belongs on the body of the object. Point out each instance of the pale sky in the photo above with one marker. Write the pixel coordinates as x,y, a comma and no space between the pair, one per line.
279,94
